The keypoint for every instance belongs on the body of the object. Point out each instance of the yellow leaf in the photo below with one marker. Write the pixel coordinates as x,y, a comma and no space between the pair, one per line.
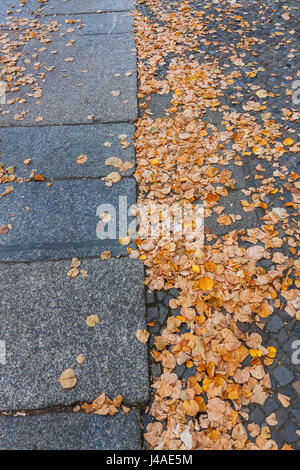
288,141
196,268
255,352
206,283
272,352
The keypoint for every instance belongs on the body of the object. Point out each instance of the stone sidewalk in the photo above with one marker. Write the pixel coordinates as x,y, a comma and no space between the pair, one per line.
77,97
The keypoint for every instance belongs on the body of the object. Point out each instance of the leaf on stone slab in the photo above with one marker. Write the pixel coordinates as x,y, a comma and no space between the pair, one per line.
142,335
3,229
284,400
92,320
261,93
113,177
73,272
124,240
82,159
224,220
67,379
114,161
272,420
39,177
80,358
75,263
7,191
105,255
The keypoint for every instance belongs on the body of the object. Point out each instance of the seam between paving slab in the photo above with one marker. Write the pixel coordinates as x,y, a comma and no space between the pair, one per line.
55,15
96,122
84,13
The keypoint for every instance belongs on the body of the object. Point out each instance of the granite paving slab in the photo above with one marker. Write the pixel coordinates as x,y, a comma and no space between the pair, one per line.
106,23
70,431
64,7
59,221
53,150
43,324
26,11
97,64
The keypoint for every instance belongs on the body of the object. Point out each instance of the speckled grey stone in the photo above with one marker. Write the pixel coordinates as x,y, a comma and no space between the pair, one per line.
43,323
61,220
159,104
78,6
270,406
71,431
163,313
152,313
296,415
296,386
54,149
289,433
26,11
283,375
275,324
63,101
282,336
107,23
257,416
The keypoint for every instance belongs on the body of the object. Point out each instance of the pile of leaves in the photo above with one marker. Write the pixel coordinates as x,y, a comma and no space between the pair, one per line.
189,156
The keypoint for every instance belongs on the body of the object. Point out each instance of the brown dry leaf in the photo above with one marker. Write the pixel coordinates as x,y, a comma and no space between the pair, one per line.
105,255
39,177
4,229
67,379
103,405
80,358
92,320
82,159
256,252
224,220
75,263
284,400
272,420
114,161
216,409
142,335
7,191
258,395
125,409
73,272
